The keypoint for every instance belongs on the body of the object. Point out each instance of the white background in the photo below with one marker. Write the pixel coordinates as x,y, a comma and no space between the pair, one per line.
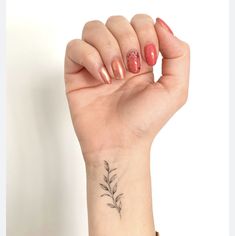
232,119
2,120
46,175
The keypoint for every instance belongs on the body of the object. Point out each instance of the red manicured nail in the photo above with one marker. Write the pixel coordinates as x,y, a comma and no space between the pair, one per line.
150,54
164,25
133,61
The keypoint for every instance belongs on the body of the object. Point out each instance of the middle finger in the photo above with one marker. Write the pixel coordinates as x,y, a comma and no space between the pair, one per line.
127,40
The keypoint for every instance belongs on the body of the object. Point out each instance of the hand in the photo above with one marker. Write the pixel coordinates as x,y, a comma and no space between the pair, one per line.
113,98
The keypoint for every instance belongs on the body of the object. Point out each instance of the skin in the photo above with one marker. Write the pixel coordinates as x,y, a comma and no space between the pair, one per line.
117,122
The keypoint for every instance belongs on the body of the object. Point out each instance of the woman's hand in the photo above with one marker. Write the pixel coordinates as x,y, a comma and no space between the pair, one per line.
113,98
117,108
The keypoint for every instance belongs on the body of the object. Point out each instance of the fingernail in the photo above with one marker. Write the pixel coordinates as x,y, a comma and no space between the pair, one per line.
164,25
118,69
104,75
133,61
150,54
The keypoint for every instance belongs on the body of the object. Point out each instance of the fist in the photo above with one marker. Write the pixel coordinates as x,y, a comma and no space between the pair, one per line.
113,96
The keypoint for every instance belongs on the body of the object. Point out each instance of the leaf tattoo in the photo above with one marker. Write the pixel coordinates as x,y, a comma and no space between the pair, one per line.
115,188
110,186
104,187
111,205
112,178
118,197
106,165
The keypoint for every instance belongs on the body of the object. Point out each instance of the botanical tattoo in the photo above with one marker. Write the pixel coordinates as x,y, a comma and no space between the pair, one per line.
110,186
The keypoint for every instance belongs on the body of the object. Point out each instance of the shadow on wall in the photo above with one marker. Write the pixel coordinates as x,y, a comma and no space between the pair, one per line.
45,174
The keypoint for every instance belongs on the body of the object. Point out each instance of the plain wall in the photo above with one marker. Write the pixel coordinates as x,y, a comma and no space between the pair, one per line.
2,118
46,189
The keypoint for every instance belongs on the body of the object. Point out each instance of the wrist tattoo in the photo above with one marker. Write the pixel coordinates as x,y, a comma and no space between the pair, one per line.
110,187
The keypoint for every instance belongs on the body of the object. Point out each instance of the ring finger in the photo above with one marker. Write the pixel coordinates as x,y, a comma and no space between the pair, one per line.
144,28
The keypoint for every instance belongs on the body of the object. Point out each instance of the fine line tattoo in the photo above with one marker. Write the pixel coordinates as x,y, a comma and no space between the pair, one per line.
110,186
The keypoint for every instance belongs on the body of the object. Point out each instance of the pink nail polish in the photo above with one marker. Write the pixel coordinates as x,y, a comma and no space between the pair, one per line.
118,69
104,75
150,54
133,61
164,25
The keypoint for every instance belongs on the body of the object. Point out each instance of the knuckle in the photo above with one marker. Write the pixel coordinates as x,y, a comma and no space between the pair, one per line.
91,24
71,44
115,18
90,29
140,16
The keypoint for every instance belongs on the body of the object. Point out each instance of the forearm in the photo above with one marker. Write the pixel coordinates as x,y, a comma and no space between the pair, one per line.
130,213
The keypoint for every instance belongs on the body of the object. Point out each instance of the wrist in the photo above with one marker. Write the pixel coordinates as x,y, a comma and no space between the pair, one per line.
119,155
133,165
132,184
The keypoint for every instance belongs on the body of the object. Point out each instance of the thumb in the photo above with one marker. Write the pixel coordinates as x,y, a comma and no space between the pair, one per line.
176,57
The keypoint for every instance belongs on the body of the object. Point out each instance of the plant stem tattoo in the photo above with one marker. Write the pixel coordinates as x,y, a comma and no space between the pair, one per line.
110,186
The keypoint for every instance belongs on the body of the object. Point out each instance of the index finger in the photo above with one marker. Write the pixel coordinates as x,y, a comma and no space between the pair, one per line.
79,55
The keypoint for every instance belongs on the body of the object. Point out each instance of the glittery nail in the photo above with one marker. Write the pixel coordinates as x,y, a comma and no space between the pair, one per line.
133,61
